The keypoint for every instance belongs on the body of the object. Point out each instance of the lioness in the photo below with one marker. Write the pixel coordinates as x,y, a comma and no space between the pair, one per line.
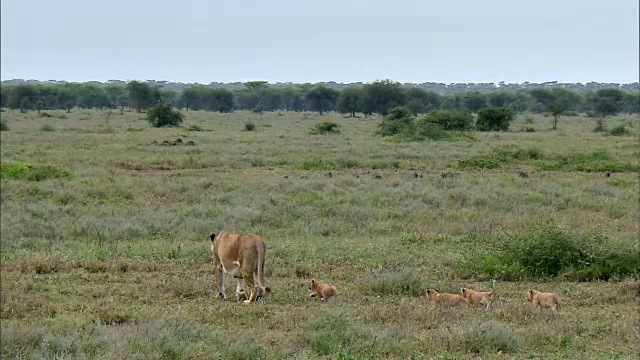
543,300
322,290
241,256
438,298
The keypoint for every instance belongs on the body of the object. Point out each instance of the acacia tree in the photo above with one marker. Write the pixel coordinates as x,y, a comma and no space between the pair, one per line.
321,99
23,97
380,96
420,101
607,101
474,101
556,101
350,101
140,95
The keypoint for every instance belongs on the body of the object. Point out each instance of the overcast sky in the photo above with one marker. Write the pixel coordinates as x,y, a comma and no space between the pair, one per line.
322,40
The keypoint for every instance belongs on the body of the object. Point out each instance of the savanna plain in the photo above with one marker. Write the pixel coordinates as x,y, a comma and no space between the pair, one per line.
105,250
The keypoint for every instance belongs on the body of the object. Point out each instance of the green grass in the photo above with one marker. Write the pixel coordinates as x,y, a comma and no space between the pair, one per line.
107,255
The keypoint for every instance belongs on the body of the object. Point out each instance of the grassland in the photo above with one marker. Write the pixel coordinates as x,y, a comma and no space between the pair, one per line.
105,253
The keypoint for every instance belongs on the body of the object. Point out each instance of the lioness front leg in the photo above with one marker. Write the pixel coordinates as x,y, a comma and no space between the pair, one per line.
220,281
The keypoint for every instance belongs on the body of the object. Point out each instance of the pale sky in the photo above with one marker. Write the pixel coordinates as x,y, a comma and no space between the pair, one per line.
323,40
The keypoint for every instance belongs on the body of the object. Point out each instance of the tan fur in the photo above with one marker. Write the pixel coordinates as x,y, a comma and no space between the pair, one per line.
241,256
323,290
439,298
478,297
543,300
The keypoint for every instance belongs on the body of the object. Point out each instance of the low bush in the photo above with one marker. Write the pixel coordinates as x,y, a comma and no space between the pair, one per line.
405,283
4,125
553,252
249,126
324,128
494,119
24,171
489,337
449,119
399,121
619,130
162,115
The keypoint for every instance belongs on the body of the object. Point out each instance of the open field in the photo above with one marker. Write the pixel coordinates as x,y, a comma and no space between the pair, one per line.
111,258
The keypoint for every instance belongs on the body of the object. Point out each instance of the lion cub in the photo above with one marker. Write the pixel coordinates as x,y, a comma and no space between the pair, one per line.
323,290
543,300
478,297
438,298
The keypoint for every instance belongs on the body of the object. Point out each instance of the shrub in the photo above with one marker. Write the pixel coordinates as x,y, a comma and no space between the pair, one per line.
599,125
449,119
162,115
4,125
398,121
327,127
249,126
494,119
336,332
619,131
47,127
194,128
502,156
20,170
491,336
406,283
554,252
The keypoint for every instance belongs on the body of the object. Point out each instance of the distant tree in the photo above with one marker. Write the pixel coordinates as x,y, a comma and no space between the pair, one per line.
246,99
67,98
117,96
47,97
256,86
419,101
457,119
169,97
494,119
631,102
381,96
162,115
474,101
190,97
451,102
350,101
271,99
221,100
23,97
607,101
398,121
321,99
556,101
92,96
500,98
140,95
4,96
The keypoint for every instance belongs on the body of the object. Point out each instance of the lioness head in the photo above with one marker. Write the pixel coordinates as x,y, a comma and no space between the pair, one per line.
311,284
530,294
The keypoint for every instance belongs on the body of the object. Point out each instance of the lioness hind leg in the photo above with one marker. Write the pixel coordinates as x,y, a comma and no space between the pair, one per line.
248,279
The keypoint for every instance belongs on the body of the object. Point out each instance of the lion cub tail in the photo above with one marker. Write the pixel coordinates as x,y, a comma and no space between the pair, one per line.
262,249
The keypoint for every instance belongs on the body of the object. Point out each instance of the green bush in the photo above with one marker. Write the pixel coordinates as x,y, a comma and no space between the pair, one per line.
449,119
405,283
619,130
553,252
249,126
489,337
494,119
162,115
398,121
333,333
594,161
4,125
502,156
24,171
327,127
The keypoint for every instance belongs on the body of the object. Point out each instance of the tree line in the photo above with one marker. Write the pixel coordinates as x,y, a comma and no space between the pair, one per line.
377,97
